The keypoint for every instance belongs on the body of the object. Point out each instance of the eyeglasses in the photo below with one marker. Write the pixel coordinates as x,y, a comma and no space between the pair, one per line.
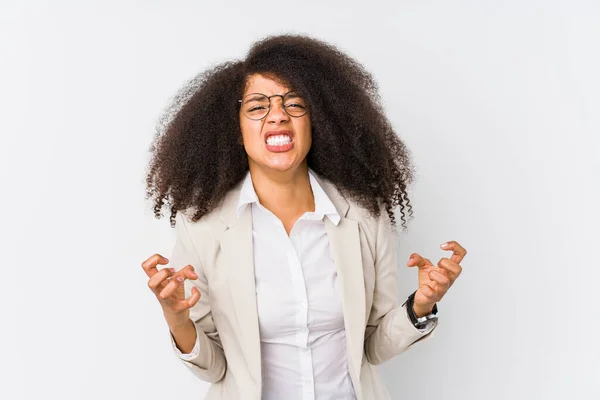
256,106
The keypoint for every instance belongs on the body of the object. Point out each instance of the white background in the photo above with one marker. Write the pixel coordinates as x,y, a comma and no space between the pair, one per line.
498,101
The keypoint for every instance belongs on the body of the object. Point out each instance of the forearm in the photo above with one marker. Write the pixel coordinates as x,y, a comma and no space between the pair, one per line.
208,361
393,334
184,335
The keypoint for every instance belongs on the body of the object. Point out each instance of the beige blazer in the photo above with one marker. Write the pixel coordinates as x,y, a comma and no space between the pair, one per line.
219,246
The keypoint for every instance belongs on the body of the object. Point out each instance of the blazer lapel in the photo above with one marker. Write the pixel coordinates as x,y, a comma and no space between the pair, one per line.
238,261
346,248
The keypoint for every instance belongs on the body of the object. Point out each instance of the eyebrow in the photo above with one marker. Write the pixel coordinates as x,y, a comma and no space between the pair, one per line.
257,96
293,95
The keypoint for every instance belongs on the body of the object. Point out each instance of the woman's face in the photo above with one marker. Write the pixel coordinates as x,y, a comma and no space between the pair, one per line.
278,142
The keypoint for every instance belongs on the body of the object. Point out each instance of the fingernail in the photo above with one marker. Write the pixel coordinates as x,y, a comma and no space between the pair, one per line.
172,269
166,259
444,245
179,279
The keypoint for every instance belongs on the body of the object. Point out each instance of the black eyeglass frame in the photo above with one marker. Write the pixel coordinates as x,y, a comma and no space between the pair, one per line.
269,109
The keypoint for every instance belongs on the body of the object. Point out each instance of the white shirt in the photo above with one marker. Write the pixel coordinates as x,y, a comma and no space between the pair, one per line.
301,323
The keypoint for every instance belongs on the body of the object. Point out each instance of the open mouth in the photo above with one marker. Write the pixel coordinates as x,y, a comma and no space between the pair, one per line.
279,141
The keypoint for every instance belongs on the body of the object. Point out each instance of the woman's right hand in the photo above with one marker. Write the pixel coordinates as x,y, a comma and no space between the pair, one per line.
167,285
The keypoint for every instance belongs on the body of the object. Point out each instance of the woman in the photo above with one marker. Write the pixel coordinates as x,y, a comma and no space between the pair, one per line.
284,279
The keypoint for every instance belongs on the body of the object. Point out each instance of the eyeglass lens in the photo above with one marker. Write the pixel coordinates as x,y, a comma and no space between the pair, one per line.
256,105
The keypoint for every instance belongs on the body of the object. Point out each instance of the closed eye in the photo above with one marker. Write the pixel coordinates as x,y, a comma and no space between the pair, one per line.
256,108
295,105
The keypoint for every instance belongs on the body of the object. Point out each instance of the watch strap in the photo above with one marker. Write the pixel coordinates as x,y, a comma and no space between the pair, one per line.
419,321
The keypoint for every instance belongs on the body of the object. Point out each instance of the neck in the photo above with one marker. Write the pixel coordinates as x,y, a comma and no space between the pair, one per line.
283,193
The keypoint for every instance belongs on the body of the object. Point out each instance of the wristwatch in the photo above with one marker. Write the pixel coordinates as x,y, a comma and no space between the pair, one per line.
419,322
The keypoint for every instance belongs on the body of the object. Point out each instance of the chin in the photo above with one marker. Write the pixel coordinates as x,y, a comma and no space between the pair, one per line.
279,165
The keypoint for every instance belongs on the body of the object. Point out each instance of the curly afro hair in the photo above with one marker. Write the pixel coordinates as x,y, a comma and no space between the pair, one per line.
198,156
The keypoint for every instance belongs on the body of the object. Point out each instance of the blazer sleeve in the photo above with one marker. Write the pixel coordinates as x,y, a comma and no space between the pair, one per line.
209,364
389,330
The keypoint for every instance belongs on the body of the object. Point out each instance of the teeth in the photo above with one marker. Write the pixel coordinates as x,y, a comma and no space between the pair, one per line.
279,140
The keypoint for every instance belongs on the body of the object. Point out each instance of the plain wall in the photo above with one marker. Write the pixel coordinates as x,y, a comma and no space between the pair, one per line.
497,100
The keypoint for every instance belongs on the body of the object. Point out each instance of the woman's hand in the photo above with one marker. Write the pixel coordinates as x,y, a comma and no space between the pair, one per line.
434,281
167,285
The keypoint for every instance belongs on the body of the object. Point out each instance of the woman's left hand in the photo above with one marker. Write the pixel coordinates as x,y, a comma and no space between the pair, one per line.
434,281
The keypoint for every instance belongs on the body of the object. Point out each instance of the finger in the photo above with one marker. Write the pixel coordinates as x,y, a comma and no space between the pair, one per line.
177,279
432,292
442,281
170,288
453,269
416,260
459,252
439,291
444,272
185,304
159,279
427,292
149,265
194,297
188,272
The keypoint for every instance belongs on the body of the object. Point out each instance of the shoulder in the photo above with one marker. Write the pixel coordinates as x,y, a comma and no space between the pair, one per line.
366,218
206,224
348,208
215,221
203,234
375,231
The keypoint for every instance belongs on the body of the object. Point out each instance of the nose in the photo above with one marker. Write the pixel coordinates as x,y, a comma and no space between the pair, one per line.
277,114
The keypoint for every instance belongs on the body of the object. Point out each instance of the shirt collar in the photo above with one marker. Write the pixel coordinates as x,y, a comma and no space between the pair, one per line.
323,204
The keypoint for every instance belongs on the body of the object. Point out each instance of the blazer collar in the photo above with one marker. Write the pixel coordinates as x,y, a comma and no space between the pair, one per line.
229,207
